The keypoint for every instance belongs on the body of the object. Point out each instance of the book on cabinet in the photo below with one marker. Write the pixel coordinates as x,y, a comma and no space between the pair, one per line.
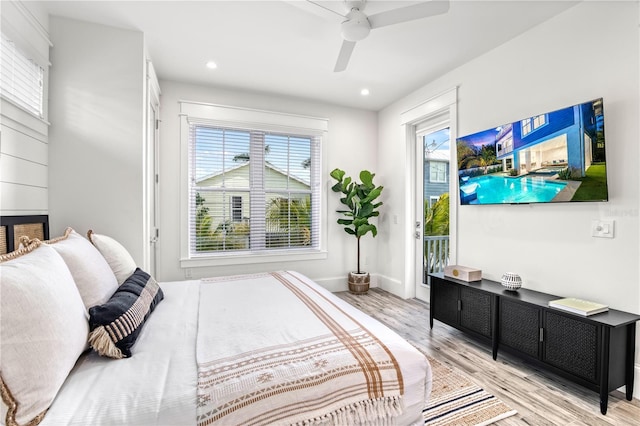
578,306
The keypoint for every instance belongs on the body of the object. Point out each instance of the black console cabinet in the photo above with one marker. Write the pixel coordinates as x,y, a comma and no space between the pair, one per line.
466,308
595,351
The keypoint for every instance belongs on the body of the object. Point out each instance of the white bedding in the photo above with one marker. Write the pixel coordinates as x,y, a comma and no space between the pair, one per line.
157,385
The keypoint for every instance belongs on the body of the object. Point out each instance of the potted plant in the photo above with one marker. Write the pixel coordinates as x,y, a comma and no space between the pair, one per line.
359,200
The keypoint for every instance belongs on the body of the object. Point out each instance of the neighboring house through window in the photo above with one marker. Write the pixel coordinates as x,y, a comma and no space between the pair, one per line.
437,172
253,182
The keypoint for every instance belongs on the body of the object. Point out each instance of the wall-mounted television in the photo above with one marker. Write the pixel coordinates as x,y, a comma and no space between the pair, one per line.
557,156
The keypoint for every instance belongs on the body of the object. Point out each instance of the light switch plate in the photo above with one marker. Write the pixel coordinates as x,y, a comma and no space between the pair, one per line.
602,228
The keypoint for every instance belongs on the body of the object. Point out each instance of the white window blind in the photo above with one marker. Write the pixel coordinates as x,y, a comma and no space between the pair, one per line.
22,79
252,190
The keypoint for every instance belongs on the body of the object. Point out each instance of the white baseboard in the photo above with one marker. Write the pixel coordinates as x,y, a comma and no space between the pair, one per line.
340,283
391,285
388,284
333,284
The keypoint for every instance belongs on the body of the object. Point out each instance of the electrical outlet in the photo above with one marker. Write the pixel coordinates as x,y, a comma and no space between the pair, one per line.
187,273
602,228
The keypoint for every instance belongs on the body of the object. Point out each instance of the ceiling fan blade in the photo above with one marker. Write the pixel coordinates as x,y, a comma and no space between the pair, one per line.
317,4
344,55
409,13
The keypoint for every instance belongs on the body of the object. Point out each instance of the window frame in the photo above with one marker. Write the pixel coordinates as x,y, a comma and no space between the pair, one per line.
27,62
435,173
531,124
236,208
251,119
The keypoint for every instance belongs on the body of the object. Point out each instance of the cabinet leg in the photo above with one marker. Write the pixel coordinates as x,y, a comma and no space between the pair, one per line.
494,325
631,346
431,300
604,399
604,370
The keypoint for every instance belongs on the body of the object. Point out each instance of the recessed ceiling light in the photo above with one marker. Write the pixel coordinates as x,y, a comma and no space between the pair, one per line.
212,65
364,92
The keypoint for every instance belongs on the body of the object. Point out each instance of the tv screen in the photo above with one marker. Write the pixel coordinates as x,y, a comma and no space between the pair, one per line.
552,157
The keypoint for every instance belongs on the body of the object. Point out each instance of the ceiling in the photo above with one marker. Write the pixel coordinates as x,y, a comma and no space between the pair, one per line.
289,47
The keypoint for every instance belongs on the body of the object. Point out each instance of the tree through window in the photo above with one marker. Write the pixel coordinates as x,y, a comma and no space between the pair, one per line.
252,190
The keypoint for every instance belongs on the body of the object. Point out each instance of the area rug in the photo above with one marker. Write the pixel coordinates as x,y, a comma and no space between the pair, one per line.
456,400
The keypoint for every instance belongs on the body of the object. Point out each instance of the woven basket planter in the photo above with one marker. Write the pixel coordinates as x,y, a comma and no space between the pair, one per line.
359,283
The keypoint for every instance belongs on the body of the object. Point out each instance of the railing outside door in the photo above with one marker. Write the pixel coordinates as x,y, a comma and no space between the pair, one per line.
436,254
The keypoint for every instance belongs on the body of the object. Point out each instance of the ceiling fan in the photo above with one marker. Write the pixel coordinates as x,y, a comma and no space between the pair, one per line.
357,25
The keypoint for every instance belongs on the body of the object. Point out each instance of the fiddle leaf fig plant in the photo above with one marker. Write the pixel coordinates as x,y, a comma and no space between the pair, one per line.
359,200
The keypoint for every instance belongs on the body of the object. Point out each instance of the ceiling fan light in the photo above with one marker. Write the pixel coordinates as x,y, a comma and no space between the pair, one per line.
357,27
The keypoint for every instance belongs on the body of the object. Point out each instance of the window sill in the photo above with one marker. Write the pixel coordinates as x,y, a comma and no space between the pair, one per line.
244,259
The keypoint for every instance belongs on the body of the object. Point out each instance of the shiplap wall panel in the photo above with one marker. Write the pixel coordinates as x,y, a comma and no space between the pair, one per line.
24,143
23,199
23,172
23,169
24,150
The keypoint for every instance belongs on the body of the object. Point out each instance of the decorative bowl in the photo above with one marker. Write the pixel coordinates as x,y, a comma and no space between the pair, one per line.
511,281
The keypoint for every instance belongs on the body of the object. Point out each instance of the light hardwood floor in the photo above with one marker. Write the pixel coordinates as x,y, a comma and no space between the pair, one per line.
540,397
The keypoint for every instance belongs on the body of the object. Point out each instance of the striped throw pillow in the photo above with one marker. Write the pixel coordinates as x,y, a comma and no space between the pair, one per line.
116,325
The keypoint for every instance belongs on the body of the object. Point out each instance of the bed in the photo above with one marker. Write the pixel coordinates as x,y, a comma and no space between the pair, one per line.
269,348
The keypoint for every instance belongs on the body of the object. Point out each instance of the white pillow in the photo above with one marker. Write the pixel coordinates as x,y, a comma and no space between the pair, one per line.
118,258
91,272
43,330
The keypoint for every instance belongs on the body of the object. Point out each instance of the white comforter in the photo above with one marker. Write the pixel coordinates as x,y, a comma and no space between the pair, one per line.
157,385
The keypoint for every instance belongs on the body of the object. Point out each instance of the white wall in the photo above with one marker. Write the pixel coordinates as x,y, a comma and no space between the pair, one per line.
24,137
591,50
351,145
97,127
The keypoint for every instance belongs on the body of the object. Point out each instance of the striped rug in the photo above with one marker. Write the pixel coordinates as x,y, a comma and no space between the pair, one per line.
456,400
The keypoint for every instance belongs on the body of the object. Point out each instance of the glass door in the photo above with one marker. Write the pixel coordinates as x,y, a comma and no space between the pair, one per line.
432,227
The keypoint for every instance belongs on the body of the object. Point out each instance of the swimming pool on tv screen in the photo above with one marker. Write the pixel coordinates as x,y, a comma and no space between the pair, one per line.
507,190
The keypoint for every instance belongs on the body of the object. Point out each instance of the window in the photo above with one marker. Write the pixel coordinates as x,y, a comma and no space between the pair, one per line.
236,208
533,123
271,170
539,121
253,189
22,80
438,172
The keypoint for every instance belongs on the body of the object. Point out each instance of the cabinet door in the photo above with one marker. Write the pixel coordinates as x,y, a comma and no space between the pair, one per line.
444,303
572,345
520,326
475,314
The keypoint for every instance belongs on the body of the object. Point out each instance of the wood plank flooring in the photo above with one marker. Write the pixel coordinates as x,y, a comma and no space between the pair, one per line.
540,397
